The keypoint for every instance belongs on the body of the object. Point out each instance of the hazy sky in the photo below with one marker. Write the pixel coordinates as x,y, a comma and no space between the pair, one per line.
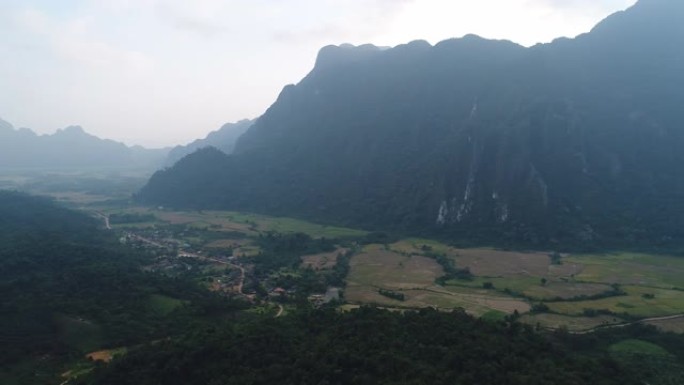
165,72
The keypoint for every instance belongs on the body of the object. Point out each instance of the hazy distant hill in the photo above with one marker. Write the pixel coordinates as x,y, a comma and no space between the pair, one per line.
71,148
224,139
579,142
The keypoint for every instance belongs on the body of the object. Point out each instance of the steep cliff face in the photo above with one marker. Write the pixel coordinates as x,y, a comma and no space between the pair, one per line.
574,142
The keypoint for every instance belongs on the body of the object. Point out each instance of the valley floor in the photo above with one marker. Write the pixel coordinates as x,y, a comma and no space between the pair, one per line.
546,289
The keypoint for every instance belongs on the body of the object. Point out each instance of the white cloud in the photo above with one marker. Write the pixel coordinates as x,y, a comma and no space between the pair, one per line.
523,21
75,40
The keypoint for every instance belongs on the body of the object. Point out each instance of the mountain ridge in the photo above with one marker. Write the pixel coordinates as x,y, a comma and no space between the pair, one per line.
571,143
71,148
223,139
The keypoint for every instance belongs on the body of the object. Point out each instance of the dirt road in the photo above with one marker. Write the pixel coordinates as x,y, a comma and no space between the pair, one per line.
104,217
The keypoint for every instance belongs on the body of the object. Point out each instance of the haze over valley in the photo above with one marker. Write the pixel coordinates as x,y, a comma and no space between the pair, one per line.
499,208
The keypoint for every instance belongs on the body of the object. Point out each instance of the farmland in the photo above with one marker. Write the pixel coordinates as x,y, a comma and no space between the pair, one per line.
579,291
414,276
252,224
322,261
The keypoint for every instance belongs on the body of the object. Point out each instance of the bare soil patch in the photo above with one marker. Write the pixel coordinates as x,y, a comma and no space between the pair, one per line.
322,261
670,325
103,355
566,290
497,263
414,277
378,267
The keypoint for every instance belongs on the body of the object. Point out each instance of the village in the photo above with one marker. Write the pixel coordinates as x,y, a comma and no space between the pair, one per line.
227,269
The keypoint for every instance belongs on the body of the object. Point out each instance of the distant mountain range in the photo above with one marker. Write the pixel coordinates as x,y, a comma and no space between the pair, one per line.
71,148
577,143
223,139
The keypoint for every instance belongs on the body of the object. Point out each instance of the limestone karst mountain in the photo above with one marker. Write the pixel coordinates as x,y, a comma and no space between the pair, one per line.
577,142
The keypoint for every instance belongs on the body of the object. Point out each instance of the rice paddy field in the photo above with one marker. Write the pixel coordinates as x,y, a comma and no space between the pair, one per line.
578,292
413,276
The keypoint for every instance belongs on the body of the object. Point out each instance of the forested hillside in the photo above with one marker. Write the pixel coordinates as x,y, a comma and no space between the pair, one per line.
573,144
373,346
68,288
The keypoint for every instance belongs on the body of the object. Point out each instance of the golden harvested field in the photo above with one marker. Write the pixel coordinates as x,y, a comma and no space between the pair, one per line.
378,267
418,246
497,263
105,355
505,281
414,276
102,355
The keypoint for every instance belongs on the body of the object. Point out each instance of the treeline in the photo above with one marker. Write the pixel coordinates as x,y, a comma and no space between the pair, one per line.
285,250
449,267
392,294
372,346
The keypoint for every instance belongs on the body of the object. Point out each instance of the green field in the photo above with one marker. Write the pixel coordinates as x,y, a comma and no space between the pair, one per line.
290,225
631,269
636,302
638,347
571,323
163,304
249,224
78,333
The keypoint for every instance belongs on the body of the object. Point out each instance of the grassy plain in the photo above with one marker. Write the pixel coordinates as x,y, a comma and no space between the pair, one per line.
106,355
